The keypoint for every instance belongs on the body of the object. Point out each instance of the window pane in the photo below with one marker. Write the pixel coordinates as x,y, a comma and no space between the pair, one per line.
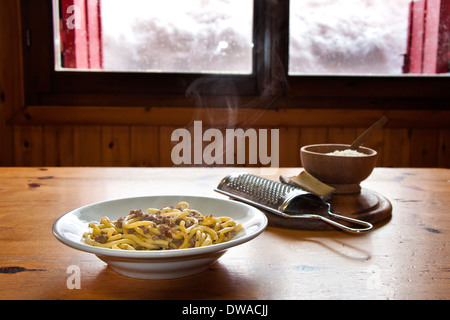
348,37
195,36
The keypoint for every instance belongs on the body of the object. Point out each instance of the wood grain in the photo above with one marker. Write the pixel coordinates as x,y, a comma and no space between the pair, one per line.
151,145
58,146
87,145
116,148
404,258
144,146
444,149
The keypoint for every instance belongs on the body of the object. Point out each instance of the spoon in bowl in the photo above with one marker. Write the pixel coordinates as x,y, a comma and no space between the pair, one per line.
360,140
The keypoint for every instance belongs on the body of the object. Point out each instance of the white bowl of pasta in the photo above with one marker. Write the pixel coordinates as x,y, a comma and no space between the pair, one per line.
160,237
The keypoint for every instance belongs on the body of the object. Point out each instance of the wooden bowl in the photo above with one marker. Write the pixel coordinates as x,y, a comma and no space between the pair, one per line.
344,173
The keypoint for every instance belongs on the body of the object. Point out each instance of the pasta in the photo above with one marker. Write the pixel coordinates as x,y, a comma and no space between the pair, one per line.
161,229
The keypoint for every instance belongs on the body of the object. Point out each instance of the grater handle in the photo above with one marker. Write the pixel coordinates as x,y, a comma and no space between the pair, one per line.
312,206
367,226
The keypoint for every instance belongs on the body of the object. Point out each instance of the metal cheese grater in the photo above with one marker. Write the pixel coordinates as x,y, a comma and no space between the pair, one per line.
284,200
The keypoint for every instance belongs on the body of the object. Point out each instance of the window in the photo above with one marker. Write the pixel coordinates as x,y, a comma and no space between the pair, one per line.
298,53
175,36
347,37
67,71
387,37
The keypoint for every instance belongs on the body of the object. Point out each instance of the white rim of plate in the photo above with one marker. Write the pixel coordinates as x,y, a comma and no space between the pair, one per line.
159,254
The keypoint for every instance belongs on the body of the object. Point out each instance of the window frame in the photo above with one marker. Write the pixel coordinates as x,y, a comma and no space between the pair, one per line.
44,85
269,87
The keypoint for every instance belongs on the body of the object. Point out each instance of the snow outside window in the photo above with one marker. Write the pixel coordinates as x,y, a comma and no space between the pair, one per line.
374,37
171,36
347,37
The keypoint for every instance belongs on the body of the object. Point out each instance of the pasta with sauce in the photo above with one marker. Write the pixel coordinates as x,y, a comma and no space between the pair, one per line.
162,229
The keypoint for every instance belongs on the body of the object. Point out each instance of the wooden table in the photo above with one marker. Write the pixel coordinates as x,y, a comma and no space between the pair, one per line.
404,258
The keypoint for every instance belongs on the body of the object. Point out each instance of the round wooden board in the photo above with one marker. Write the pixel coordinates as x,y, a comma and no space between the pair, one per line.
367,206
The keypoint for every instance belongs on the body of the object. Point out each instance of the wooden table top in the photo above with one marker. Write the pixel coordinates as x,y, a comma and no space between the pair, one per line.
404,258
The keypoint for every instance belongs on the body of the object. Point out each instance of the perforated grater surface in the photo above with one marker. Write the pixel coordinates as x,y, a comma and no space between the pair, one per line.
283,200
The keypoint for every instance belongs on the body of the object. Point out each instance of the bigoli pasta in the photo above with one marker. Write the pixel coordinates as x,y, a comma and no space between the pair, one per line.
171,227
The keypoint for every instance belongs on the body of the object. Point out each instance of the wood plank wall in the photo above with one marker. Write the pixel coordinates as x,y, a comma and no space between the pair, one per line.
128,142
151,146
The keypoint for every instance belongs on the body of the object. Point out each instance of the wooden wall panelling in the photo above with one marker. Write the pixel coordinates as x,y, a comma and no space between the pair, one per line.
221,157
292,134
424,147
58,146
87,145
312,135
287,137
444,148
152,146
343,135
10,77
289,149
285,134
226,149
396,147
144,146
165,146
185,142
163,116
28,145
116,149
6,138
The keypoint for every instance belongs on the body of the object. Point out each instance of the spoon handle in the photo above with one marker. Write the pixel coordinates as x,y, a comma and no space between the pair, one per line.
381,122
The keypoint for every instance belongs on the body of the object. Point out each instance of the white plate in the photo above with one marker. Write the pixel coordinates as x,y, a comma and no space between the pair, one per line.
158,264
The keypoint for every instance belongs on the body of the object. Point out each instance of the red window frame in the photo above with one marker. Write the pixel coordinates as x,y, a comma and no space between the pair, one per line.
428,49
80,33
